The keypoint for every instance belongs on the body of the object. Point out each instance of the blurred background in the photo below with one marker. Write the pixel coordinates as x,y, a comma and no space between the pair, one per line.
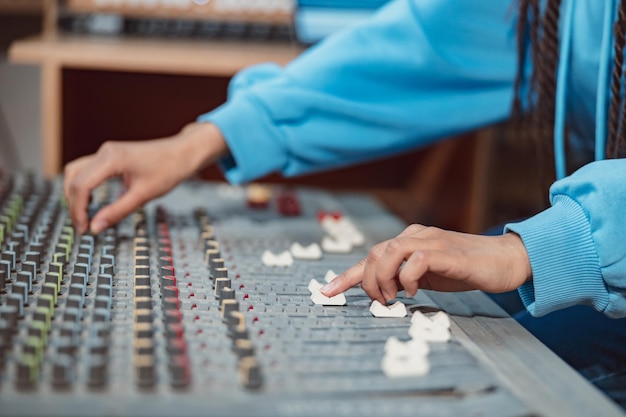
20,109
75,73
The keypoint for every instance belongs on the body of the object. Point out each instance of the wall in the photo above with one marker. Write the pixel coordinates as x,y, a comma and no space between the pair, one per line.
455,197
20,114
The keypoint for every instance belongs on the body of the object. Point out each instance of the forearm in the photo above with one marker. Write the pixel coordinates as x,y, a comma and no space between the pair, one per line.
399,81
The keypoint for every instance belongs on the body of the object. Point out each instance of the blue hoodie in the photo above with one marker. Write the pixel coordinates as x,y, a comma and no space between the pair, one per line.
423,70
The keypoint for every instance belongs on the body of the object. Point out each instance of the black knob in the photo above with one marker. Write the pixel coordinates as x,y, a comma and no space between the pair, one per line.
107,269
142,270
220,273
104,279
97,371
85,259
142,280
26,278
62,371
79,279
250,373
104,290
107,260
84,249
5,266
220,284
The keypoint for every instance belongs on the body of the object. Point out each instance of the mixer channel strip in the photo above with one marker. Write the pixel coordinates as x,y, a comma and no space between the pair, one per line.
176,302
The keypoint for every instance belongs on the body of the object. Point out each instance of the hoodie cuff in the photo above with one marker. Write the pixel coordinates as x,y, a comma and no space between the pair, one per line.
563,258
254,141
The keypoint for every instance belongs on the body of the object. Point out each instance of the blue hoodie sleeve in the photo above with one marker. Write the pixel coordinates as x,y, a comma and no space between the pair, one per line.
418,71
577,247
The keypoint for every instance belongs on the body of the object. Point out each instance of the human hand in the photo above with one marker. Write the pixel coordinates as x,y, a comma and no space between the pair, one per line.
149,169
438,260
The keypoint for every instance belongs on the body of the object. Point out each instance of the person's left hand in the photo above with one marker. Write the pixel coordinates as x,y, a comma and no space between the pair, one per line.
436,259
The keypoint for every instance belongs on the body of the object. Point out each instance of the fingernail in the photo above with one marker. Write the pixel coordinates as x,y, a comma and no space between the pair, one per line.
387,297
332,285
98,225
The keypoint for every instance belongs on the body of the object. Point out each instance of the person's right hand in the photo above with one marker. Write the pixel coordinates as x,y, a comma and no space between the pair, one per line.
149,169
436,259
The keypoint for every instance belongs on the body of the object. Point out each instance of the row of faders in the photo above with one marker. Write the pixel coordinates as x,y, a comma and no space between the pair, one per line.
224,292
94,313
147,330
54,313
183,319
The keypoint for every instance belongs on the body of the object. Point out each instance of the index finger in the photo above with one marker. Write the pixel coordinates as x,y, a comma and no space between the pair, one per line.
354,274
71,171
90,175
344,281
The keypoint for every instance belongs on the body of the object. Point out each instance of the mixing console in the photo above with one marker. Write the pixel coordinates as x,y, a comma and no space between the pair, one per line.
200,304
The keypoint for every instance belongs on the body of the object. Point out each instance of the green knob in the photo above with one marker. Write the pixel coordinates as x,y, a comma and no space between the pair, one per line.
44,315
69,231
6,219
48,300
28,369
61,257
34,346
38,329
57,268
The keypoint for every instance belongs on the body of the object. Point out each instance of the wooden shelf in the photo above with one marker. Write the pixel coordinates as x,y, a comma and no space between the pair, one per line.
163,56
57,54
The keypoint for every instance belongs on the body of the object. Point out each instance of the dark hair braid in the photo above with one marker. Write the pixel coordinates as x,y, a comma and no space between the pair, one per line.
616,84
544,52
617,132
546,66
542,87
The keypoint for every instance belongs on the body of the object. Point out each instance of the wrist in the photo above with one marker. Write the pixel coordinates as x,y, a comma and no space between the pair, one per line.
203,144
521,269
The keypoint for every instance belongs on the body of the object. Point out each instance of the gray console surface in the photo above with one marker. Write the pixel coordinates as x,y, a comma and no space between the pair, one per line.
144,333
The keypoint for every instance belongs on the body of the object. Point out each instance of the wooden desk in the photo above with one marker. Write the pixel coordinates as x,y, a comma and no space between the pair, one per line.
195,58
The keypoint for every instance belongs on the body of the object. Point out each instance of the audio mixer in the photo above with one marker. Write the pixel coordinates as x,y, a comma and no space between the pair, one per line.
203,303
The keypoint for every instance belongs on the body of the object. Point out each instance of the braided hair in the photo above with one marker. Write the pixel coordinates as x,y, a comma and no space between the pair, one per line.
541,32
617,134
